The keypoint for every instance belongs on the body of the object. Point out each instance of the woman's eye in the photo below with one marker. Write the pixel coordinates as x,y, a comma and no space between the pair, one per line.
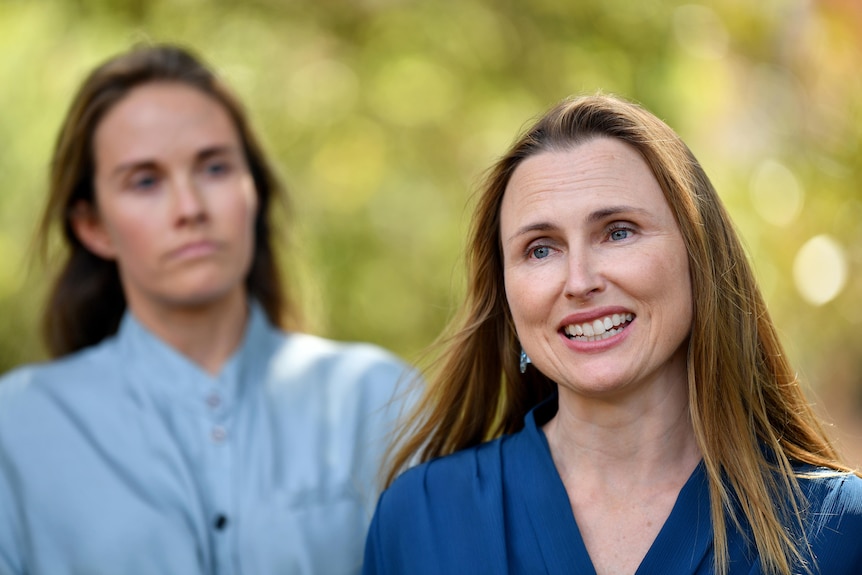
144,182
217,168
540,252
619,234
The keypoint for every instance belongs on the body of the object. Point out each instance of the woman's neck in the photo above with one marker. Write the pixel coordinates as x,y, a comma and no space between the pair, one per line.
626,442
623,464
207,334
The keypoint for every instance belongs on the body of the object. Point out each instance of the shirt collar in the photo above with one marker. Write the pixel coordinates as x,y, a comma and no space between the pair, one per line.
159,369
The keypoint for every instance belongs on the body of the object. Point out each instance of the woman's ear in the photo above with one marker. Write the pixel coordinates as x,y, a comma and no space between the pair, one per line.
90,230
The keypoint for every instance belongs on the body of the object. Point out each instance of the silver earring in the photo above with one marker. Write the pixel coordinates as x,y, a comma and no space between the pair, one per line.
525,359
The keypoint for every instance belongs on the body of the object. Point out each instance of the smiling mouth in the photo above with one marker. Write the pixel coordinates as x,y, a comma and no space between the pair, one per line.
599,329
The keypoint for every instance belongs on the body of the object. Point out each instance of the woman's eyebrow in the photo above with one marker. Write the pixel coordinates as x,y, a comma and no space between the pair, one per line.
226,149
132,166
605,213
536,227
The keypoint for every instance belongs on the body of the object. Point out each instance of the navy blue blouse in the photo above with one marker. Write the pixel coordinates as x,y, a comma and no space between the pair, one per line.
501,508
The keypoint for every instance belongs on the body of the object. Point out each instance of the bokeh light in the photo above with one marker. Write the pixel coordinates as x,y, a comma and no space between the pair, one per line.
820,270
776,193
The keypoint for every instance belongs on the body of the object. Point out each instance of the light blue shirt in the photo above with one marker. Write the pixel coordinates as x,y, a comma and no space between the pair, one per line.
128,459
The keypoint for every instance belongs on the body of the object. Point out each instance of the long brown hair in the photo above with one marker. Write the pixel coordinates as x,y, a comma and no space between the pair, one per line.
748,411
86,300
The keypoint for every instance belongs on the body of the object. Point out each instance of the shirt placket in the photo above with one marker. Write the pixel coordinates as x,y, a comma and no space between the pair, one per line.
220,447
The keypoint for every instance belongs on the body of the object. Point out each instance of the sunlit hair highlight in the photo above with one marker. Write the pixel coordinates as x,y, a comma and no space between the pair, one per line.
749,413
86,301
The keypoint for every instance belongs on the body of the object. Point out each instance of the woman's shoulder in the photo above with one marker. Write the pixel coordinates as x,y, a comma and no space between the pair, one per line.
456,483
834,496
30,378
836,489
442,515
293,357
474,476
834,518
35,394
311,352
301,363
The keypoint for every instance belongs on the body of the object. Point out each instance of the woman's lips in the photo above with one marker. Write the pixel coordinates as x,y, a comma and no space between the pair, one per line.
194,250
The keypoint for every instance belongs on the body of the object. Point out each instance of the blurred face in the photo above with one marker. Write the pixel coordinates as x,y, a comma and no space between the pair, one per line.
175,202
596,271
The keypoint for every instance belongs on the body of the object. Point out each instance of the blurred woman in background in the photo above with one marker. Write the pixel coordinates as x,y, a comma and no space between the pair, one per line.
614,397
178,428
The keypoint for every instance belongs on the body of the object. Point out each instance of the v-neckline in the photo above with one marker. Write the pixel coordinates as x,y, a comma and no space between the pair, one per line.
681,546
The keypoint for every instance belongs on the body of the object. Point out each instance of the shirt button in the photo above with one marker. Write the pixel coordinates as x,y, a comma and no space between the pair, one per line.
218,434
213,400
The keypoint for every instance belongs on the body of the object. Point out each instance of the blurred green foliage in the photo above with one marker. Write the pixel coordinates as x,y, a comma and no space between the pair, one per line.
383,115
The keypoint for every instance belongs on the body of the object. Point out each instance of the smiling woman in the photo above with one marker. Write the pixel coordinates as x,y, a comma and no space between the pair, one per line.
653,423
179,429
591,223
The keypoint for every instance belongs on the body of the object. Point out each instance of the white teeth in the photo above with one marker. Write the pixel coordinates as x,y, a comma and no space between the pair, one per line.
599,329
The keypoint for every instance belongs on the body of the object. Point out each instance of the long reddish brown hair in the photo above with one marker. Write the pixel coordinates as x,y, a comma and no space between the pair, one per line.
748,411
86,300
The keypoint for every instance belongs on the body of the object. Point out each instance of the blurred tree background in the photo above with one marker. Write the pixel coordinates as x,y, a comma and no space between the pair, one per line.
383,115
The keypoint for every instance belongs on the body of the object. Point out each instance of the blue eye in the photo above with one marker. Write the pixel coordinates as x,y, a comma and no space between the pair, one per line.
216,168
144,182
620,234
540,252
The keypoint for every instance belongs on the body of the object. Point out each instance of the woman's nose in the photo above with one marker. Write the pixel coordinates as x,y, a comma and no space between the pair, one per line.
189,203
583,278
